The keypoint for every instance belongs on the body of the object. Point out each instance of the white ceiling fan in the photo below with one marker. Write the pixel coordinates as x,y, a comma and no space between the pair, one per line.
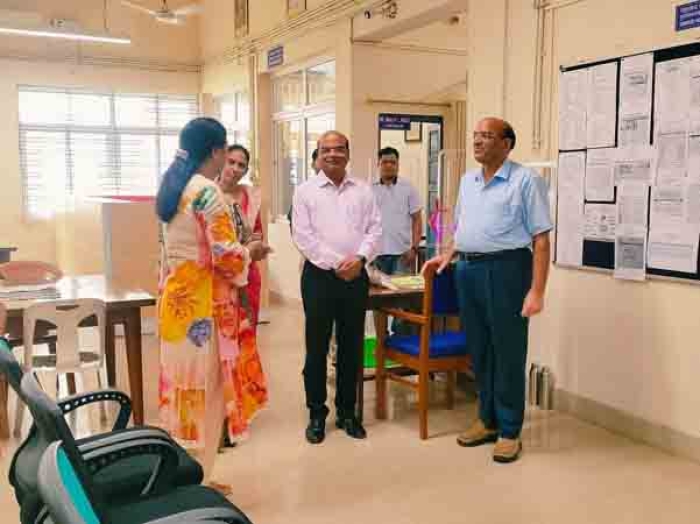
165,14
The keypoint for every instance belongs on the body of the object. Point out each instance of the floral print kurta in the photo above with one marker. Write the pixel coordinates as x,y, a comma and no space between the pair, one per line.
201,317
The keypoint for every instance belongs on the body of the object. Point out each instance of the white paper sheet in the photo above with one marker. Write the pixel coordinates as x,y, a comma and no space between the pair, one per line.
573,100
672,96
695,95
671,157
600,222
636,75
632,205
569,233
693,164
674,249
570,185
630,253
691,203
600,175
602,106
667,206
571,172
634,130
634,164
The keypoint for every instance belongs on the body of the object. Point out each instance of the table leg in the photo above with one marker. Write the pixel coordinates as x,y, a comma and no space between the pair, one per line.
70,378
361,384
4,419
110,353
380,323
132,331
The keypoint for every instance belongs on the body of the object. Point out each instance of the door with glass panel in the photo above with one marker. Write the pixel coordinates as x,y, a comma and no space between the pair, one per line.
304,109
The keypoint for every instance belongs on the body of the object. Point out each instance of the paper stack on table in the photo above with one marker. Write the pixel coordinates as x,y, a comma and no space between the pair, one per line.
29,292
408,282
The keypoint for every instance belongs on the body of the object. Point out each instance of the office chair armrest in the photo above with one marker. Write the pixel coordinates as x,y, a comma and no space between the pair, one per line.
212,515
126,444
413,318
74,402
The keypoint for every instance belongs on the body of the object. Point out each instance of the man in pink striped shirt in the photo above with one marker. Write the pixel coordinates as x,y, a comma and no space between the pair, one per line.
336,225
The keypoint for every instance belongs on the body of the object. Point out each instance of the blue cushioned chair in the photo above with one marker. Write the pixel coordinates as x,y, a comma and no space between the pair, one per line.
430,351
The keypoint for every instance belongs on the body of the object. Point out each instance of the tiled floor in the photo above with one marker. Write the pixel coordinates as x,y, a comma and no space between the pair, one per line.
570,472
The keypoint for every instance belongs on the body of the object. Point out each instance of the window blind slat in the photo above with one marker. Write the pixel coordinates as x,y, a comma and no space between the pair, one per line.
76,143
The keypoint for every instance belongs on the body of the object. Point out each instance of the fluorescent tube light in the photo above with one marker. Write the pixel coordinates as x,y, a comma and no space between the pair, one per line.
65,35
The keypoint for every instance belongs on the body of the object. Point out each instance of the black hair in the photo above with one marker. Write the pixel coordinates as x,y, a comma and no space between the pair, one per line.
314,155
242,149
387,151
509,133
198,140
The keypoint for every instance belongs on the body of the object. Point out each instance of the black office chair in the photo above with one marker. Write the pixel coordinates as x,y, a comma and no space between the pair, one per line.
127,479
66,476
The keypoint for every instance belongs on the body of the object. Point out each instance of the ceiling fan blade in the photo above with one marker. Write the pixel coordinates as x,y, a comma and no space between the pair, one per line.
138,7
186,10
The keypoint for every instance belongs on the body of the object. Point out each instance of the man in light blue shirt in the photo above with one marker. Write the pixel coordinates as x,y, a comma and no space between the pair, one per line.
402,221
502,244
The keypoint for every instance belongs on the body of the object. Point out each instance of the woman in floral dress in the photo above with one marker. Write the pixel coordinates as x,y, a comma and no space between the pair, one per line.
244,201
210,371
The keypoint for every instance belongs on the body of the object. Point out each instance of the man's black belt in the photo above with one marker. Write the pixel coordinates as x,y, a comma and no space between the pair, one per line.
494,255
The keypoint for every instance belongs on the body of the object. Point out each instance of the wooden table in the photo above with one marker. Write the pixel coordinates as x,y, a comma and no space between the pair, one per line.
380,297
123,307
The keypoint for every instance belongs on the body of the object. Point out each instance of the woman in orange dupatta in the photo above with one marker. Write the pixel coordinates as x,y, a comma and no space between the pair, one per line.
210,371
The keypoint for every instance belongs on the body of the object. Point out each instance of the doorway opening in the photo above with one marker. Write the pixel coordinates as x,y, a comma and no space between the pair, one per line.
419,141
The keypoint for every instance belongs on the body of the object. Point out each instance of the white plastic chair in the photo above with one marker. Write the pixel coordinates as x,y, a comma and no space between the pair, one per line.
66,315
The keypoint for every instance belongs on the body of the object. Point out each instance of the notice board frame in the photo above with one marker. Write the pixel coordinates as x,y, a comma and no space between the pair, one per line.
600,255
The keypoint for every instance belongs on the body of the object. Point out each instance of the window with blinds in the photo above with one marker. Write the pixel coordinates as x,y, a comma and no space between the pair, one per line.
76,143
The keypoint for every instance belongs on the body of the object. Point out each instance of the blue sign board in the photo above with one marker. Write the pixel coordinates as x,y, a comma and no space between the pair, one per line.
275,57
688,16
402,122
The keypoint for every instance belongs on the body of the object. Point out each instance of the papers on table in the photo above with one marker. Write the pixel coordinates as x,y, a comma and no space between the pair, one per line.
35,292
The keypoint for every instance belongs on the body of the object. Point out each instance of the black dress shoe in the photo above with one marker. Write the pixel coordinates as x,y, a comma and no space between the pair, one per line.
352,427
316,431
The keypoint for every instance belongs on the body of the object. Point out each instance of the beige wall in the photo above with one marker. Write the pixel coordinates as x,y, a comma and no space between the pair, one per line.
627,345
74,239
395,75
